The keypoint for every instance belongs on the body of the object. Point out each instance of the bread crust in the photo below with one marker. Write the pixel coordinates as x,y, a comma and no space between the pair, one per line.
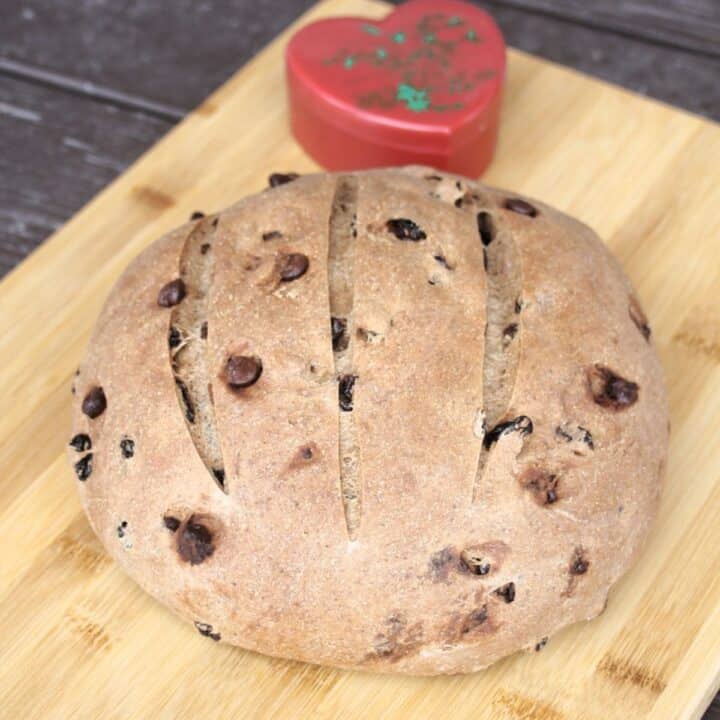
448,569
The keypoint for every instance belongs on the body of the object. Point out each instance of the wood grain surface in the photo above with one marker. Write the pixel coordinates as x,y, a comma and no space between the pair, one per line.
692,25
79,639
62,153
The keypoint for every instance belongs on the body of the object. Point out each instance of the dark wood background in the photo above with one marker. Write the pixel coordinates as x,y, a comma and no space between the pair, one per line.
87,85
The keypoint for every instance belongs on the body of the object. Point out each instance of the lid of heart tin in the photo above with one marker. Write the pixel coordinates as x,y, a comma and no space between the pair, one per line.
423,85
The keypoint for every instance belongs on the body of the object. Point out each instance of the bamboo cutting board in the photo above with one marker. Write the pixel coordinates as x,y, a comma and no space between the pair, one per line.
79,639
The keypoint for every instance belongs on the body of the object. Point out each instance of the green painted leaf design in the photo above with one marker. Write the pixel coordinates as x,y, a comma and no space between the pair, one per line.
415,99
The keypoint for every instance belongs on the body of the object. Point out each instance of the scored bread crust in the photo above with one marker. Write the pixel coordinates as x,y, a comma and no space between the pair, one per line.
402,535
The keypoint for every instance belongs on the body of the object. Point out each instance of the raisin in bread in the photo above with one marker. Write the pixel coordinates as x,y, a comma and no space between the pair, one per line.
393,420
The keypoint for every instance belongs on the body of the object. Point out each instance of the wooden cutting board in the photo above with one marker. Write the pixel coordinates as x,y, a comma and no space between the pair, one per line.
79,639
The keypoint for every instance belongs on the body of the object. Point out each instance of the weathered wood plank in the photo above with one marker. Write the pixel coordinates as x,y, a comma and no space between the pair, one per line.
713,712
692,25
174,54
679,78
86,88
125,49
57,152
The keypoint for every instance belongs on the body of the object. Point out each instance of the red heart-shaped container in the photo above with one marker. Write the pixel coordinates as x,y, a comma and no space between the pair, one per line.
423,86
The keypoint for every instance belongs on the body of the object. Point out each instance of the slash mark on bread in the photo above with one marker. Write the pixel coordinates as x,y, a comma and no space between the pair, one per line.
187,342
341,255
502,334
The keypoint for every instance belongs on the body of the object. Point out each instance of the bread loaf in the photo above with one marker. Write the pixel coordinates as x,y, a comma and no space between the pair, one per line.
393,420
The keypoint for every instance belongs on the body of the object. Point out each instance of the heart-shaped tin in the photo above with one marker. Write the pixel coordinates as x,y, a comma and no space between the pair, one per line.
422,85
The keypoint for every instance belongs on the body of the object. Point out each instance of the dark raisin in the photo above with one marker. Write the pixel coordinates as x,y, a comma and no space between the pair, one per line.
486,227
242,370
562,433
581,435
174,337
383,645
539,646
441,562
473,561
586,437
281,178
507,592
474,619
219,474
204,330
171,523
638,317
292,266
271,235
458,202
345,391
81,442
610,390
215,222
366,335
520,206
171,293
522,424
518,306
83,467
121,529
579,564
542,484
510,331
207,631
307,453
204,248
94,403
440,258
197,215
194,541
338,327
404,229
127,447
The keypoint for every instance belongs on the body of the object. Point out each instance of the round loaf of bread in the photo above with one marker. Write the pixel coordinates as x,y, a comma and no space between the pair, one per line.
393,420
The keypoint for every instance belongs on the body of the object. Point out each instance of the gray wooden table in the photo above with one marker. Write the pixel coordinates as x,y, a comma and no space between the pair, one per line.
88,85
